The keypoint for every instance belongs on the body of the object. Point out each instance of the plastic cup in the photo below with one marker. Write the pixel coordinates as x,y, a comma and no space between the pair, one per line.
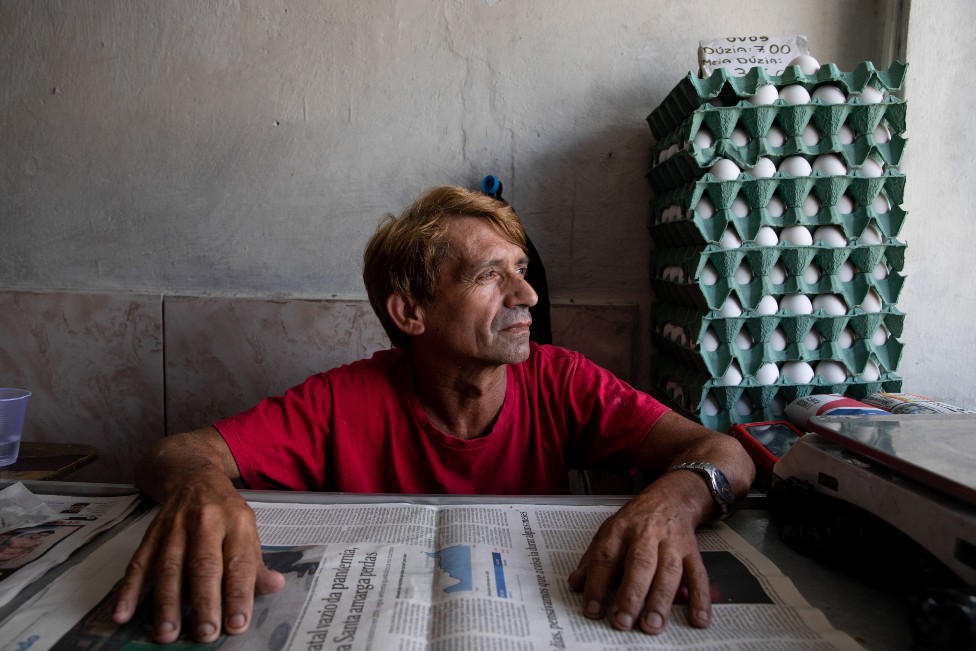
13,407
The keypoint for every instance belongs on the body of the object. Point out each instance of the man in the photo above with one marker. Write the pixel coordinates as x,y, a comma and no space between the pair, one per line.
462,404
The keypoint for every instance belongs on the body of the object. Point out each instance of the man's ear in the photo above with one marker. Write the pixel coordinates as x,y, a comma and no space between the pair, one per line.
406,313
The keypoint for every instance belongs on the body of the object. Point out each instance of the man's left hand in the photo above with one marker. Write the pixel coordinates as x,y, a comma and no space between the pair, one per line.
650,546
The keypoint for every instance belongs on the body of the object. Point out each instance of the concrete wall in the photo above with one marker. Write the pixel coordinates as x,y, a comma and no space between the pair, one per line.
248,149
940,354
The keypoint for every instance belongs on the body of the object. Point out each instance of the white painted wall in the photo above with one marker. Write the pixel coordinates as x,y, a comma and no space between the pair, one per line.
940,349
250,148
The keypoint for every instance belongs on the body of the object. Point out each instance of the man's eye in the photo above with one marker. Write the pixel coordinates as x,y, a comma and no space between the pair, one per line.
522,270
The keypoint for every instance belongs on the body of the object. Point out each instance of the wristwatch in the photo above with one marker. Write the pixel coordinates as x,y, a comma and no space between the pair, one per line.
718,485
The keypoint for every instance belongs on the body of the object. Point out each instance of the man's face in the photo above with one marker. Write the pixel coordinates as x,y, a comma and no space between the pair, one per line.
480,310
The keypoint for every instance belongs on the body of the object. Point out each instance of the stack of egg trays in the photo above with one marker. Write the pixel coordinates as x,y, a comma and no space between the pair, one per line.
687,240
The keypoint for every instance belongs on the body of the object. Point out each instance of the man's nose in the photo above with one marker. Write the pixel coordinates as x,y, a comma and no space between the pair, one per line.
521,293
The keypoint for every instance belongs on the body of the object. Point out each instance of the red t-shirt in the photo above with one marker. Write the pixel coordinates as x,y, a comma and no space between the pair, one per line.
360,428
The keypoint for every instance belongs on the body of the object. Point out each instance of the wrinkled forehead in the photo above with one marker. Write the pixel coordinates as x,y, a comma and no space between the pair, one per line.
469,239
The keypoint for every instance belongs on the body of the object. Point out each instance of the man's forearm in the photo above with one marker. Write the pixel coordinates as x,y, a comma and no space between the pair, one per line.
173,460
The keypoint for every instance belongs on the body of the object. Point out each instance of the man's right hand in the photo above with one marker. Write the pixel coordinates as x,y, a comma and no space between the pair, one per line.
203,544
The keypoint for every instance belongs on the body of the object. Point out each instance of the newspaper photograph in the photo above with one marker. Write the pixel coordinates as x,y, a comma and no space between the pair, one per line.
26,553
411,577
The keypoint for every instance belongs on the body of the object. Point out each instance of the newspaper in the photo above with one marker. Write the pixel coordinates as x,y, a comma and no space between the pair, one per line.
26,553
412,576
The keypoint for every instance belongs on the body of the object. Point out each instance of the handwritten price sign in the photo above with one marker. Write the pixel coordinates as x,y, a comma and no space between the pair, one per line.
738,54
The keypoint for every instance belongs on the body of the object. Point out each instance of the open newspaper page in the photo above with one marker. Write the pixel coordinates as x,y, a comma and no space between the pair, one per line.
409,577
27,553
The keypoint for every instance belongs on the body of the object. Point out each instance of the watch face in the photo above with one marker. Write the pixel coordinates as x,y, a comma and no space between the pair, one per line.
722,486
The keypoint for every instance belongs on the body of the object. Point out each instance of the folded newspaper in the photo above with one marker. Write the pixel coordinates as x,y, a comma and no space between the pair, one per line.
27,552
414,576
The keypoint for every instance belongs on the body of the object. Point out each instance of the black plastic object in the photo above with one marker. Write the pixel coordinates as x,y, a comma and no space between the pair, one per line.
541,330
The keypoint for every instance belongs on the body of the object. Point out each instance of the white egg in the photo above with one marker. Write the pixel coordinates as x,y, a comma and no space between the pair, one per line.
710,406
740,207
777,406
794,94
678,335
834,372
732,376
830,164
704,138
870,95
799,372
871,168
730,239
829,94
673,149
808,65
777,339
777,275
880,336
763,169
812,340
725,170
766,94
810,136
744,340
767,374
668,330
846,205
846,339
775,136
663,156
709,342
811,205
872,302
881,134
871,372
677,393
830,235
845,135
766,236
743,406
846,272
776,207
705,208
880,204
795,166
796,234
743,275
812,274
880,271
709,275
674,273
832,304
871,235
767,305
796,304
731,307
739,137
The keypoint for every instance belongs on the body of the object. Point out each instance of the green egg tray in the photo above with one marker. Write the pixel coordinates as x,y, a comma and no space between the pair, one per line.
691,92
688,390
692,325
691,161
674,221
690,290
